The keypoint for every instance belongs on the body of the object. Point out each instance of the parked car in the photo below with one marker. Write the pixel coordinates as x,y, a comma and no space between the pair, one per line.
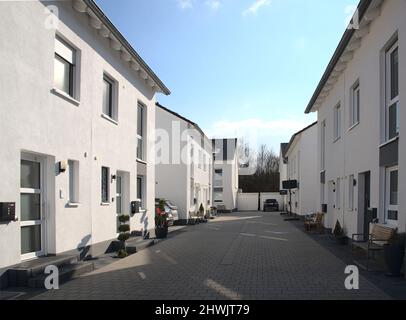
174,210
171,210
271,205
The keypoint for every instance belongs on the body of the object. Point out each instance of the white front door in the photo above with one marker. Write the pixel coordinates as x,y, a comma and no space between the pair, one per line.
32,204
391,196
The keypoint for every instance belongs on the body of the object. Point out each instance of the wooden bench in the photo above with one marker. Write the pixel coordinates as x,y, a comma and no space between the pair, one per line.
373,242
316,222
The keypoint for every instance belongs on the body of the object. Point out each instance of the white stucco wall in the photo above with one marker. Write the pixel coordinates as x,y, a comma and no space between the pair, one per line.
302,166
38,121
358,149
174,169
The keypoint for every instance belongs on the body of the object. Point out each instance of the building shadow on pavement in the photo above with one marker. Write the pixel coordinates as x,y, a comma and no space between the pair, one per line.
394,287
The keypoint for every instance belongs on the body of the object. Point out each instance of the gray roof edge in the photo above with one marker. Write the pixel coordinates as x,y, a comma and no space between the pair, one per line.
362,9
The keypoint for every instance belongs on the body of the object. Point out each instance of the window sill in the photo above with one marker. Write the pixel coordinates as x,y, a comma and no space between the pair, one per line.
106,117
389,142
353,126
73,204
65,96
105,204
141,161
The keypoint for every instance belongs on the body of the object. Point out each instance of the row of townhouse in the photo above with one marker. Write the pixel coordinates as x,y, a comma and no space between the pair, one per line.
184,163
361,135
76,128
298,164
82,138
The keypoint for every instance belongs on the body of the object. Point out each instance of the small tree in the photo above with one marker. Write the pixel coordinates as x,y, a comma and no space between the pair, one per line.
124,235
201,210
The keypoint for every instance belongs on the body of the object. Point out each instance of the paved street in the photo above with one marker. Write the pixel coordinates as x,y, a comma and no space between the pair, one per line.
237,256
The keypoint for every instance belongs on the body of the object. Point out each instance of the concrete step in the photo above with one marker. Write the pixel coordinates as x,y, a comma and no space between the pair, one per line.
66,273
138,245
18,275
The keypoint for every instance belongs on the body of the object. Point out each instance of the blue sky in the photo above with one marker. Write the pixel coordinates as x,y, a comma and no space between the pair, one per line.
236,67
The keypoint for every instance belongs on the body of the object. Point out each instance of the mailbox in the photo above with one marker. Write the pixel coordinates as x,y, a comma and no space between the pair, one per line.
135,206
7,211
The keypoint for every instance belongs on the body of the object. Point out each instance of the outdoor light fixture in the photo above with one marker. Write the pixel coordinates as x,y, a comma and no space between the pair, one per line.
354,182
113,177
63,166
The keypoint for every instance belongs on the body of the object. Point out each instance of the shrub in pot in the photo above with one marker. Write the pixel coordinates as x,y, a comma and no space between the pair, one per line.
201,212
124,235
394,253
161,221
339,234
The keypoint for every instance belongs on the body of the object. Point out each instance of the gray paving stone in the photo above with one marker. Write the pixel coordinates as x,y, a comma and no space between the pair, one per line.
214,261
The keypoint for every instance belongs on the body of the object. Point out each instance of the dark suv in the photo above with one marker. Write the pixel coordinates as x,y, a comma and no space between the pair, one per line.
271,205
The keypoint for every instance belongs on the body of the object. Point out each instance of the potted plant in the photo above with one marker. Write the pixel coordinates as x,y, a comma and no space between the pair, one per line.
201,213
161,221
339,234
124,235
394,253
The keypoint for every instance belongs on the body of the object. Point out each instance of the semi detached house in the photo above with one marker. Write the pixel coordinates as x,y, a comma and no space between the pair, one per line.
77,122
362,122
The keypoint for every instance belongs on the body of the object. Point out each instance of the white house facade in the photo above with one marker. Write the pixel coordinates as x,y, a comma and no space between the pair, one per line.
225,174
183,163
77,122
283,174
360,107
301,167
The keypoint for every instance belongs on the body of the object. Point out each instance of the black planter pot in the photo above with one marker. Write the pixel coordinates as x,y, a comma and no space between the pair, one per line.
161,233
394,256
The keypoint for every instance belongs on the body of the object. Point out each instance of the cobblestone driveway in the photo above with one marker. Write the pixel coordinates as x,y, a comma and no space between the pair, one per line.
238,256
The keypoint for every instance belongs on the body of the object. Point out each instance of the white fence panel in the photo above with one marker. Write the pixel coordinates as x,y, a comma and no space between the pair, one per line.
248,202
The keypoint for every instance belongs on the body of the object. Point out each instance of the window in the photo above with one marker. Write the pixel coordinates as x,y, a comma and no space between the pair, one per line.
323,146
351,192
392,92
192,191
355,104
200,159
64,67
204,163
73,168
338,194
322,195
391,196
140,190
337,122
218,195
105,185
108,101
140,131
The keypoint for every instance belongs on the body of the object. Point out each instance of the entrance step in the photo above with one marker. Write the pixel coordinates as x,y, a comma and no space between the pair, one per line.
19,275
138,244
66,273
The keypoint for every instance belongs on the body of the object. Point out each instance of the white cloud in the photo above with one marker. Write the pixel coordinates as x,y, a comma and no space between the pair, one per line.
213,4
255,6
258,131
185,4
